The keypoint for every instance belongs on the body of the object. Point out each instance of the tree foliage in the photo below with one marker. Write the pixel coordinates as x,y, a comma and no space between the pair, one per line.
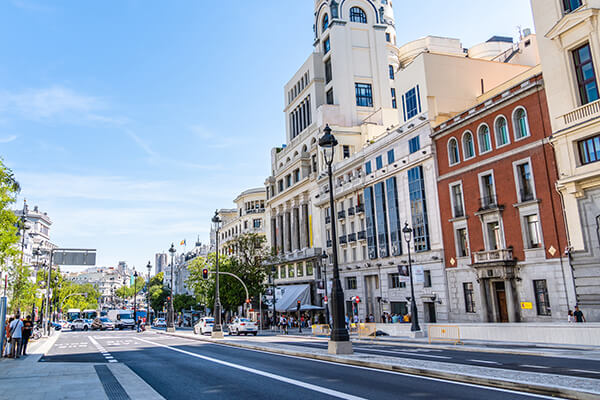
184,302
158,293
125,292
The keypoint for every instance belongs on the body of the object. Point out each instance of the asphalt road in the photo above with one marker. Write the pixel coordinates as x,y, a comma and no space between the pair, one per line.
182,368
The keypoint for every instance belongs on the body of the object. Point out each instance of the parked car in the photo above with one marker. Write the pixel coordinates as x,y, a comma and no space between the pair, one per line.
205,325
64,324
243,325
103,324
160,323
56,326
80,325
123,319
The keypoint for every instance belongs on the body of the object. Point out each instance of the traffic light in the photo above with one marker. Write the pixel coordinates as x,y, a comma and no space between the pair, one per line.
205,273
298,304
356,299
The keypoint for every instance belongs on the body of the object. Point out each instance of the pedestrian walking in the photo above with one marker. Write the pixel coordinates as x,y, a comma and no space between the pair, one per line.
570,317
16,334
6,334
578,314
27,332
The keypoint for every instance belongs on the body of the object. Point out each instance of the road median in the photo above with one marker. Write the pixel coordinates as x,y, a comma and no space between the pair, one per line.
529,382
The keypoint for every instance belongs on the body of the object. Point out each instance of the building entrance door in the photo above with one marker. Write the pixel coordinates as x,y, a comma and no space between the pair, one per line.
430,312
372,306
502,315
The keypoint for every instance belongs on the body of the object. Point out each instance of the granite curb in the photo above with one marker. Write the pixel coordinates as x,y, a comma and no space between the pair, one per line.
523,386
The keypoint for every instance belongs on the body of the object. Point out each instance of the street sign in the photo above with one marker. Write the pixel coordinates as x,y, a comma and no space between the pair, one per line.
325,299
74,257
404,273
526,305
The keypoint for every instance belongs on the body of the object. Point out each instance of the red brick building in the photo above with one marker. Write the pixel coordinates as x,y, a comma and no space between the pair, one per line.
502,219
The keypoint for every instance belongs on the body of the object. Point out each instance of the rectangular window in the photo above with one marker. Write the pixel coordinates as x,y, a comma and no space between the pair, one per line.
414,145
329,96
382,231
488,191
351,282
418,209
309,268
533,231
326,46
280,185
245,223
346,151
412,103
469,297
394,101
388,37
462,242
390,156
283,272
328,75
394,215
457,201
379,162
427,278
291,269
571,5
314,163
493,233
300,270
391,69
525,182
370,217
256,223
296,175
395,282
589,150
586,76
364,94
288,181
368,167
542,301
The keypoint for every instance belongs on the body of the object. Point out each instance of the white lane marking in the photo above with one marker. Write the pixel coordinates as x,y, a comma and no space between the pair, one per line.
405,353
295,382
106,354
484,361
585,371
112,361
533,366
414,376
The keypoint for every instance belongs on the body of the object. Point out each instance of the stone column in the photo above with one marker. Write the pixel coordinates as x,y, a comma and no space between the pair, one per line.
293,229
286,232
280,233
303,231
512,303
485,313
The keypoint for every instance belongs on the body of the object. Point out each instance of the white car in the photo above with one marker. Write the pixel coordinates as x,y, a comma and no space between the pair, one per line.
243,325
205,325
160,323
80,325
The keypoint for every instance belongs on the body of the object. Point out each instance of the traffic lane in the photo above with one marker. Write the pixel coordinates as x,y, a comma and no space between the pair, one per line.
179,376
530,363
357,381
73,347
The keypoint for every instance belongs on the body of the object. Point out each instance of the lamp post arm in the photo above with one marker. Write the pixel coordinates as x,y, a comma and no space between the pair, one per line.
239,279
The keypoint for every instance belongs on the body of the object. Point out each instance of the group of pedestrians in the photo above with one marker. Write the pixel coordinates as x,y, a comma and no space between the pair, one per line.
17,336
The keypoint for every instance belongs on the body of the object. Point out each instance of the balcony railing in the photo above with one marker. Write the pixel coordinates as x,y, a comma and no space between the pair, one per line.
526,195
350,211
459,211
360,208
327,219
352,237
343,239
329,243
341,214
581,113
493,256
362,235
488,202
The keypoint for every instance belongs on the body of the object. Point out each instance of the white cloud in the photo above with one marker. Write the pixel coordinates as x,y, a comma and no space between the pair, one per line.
30,6
8,139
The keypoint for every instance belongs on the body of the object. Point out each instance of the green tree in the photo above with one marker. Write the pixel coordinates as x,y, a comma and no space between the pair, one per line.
158,293
69,298
184,302
9,188
23,289
125,292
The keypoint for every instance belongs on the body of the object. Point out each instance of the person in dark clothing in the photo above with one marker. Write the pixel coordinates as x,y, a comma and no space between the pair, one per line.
578,314
27,331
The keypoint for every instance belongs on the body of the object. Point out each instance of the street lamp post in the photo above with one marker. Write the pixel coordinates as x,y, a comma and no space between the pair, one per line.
324,256
171,319
149,266
217,331
339,342
135,275
273,269
414,317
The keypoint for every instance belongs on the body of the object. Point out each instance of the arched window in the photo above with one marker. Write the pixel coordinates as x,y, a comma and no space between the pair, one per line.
501,128
468,145
358,15
520,123
483,136
325,23
453,155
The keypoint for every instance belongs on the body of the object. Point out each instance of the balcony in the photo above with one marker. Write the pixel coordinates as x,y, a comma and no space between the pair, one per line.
362,235
493,256
526,195
459,212
327,219
488,203
350,211
360,208
341,214
582,113
352,237
343,239
329,243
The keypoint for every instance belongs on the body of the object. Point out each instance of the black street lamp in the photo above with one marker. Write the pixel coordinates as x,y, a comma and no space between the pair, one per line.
414,316
149,266
217,331
273,269
135,275
339,342
171,319
324,257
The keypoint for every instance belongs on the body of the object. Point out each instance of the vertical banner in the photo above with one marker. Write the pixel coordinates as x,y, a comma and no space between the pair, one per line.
310,230
2,322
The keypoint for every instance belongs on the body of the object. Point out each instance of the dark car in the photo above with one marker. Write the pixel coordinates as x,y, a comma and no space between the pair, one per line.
102,323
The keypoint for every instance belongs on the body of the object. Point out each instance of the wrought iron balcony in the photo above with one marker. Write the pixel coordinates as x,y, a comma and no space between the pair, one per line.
350,211
362,235
341,214
329,243
493,256
343,239
327,219
352,237
526,195
360,208
488,202
459,211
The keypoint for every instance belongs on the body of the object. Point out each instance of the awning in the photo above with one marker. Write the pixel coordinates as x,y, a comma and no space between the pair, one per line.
287,297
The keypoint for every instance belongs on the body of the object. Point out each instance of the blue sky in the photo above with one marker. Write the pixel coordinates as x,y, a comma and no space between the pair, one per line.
131,121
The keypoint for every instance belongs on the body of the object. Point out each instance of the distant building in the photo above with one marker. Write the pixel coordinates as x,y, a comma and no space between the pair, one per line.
107,281
160,263
36,237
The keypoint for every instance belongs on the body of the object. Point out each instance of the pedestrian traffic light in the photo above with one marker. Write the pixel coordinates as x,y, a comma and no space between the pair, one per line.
205,273
298,304
247,301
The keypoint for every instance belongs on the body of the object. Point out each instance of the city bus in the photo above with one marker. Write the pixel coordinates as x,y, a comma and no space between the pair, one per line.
89,314
73,313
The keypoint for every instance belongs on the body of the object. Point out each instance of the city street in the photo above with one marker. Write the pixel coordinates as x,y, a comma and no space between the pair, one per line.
180,368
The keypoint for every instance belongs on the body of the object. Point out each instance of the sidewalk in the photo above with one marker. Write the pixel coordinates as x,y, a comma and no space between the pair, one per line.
547,384
27,378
